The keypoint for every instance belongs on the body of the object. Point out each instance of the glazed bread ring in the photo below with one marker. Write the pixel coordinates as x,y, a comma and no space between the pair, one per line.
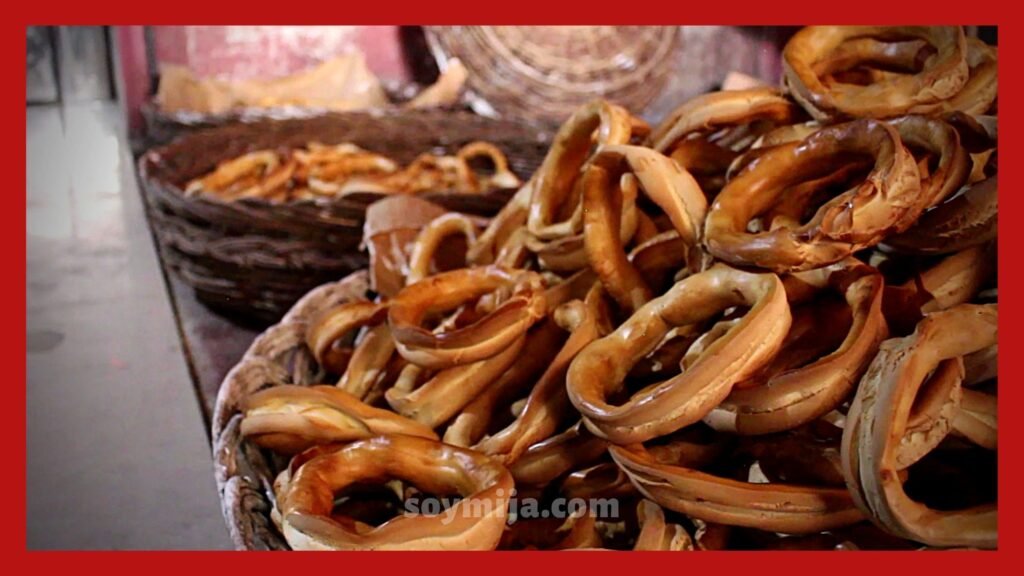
328,328
942,77
716,110
656,533
509,220
569,151
888,201
982,87
543,343
798,396
600,369
783,508
880,416
368,363
502,176
968,219
474,523
670,187
290,419
482,339
430,239
552,458
548,404
942,141
450,390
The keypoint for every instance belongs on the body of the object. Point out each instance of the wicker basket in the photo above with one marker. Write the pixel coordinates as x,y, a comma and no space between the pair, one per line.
546,72
244,472
255,259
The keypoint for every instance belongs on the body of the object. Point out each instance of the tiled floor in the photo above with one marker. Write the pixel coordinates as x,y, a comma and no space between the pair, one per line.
117,453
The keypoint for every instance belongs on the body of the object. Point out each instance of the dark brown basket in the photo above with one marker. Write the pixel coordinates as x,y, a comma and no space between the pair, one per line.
254,258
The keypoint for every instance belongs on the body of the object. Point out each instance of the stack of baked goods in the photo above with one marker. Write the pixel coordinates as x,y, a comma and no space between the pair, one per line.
769,322
319,171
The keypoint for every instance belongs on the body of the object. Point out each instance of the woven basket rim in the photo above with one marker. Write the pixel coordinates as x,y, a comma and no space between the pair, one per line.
245,503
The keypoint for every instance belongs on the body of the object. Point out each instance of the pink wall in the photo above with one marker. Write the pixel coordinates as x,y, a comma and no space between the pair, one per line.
268,51
251,52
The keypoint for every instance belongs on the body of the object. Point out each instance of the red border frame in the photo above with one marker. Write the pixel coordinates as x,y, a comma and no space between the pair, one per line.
518,12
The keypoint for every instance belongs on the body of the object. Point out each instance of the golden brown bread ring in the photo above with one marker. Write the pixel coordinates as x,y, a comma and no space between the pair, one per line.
545,461
663,181
879,417
714,110
979,93
955,280
776,507
474,523
888,201
706,161
569,253
482,339
290,419
968,219
369,362
568,153
542,344
431,237
942,77
942,141
604,480
332,325
600,369
906,56
548,404
800,395
447,392
230,172
502,176
656,533
510,219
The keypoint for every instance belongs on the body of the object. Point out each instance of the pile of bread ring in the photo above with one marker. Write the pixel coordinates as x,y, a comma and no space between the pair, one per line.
331,171
768,323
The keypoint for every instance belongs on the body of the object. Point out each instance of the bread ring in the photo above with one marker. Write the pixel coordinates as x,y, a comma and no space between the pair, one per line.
474,523
888,201
656,533
798,396
664,182
600,368
550,459
604,480
480,340
542,344
568,154
942,77
502,176
879,418
548,403
982,87
943,141
369,362
450,390
783,508
329,327
430,239
290,419
955,280
968,219
714,110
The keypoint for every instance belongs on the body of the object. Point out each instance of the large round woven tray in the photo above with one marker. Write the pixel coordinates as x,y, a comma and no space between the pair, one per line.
244,472
546,72
255,259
